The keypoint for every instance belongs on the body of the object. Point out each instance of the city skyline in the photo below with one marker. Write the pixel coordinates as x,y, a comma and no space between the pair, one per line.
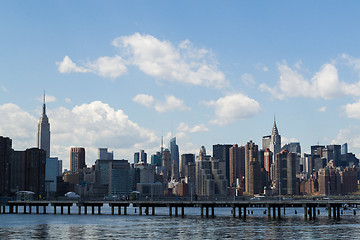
118,76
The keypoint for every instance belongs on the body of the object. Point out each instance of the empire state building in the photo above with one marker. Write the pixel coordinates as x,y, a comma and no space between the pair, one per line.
43,134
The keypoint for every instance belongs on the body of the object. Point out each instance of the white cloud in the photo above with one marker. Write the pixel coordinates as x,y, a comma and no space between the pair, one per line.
352,110
248,79
90,125
285,140
68,66
324,84
183,127
234,107
322,109
350,135
111,67
19,124
351,61
171,104
144,99
68,100
161,59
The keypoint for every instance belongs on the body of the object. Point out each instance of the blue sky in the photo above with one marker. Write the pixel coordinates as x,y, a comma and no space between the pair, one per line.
118,74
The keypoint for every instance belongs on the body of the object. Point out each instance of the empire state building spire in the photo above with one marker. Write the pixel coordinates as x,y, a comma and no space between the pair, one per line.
43,134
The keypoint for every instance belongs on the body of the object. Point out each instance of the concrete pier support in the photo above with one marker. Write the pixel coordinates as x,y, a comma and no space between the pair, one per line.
30,209
62,209
54,209
79,208
147,211
85,210
207,211
202,211
92,210
329,212
119,210
305,212
140,210
234,211
338,213
213,211
170,211
240,212
244,212
182,211
314,212
274,212
125,210
176,211
44,210
334,212
279,212
112,210
99,210
269,211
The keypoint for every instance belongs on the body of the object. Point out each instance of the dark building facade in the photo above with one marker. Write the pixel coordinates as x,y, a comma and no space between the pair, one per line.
77,159
5,159
221,152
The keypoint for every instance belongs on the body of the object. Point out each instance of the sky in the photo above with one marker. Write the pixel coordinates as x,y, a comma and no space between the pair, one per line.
122,74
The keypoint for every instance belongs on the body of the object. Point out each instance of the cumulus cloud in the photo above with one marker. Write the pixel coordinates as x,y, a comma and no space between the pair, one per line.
91,125
161,59
144,99
68,100
352,110
350,135
351,61
324,84
171,104
183,127
68,66
233,107
19,124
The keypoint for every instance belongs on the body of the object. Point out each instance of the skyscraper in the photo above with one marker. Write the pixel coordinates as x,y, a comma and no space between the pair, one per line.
221,152
275,144
5,159
174,151
286,172
43,134
77,159
252,169
237,165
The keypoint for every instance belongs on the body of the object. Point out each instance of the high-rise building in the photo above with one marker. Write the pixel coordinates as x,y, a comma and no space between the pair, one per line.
293,147
104,154
210,180
185,160
120,177
237,166
77,159
51,173
5,159
166,165
174,151
35,161
252,169
268,160
156,159
344,149
286,172
140,156
221,152
275,145
59,168
43,134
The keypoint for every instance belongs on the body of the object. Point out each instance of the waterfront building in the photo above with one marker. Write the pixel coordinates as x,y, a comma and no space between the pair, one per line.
120,178
329,180
221,152
35,161
5,159
43,134
51,173
77,159
17,172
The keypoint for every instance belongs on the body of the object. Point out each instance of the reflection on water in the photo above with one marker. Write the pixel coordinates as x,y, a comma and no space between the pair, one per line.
192,226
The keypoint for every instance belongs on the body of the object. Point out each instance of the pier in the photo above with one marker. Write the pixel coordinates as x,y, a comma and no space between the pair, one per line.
274,209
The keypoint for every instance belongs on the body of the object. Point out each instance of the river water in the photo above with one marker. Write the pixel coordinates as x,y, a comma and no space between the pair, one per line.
191,226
